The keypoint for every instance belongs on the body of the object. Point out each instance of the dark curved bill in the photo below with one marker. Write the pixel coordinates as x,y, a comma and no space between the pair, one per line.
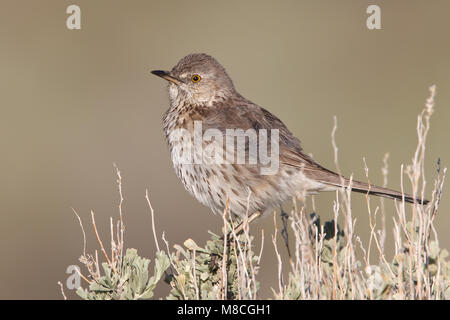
166,75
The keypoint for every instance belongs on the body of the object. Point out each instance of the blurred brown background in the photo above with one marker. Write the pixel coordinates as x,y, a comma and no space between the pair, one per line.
74,102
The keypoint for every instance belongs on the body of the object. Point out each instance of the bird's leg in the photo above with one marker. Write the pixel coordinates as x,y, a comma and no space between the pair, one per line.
231,234
240,227
284,232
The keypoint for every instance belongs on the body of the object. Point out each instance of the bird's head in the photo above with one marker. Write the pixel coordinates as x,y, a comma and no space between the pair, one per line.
198,79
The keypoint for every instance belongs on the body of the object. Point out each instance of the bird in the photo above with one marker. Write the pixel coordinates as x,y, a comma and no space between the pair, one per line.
204,99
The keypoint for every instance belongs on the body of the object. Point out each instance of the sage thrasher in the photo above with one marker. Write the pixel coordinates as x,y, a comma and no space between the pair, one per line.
206,113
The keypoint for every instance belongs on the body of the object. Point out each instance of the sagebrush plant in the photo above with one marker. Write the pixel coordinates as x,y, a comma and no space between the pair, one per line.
323,264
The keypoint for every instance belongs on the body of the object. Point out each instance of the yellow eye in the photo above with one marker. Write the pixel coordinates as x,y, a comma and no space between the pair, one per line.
195,78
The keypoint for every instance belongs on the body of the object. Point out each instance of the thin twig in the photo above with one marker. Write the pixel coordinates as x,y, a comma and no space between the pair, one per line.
99,240
62,290
153,219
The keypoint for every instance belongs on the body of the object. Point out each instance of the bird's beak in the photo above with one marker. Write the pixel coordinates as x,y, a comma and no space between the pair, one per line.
166,75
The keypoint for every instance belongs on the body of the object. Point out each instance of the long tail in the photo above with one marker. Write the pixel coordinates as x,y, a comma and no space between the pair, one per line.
365,188
321,174
385,192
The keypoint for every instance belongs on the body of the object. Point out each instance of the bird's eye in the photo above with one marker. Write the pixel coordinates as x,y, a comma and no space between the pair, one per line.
195,78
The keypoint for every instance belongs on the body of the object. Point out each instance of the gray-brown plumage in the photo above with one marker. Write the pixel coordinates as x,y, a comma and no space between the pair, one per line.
201,90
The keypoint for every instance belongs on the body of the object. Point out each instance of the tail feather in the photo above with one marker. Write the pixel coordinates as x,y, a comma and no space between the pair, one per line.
365,188
330,178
